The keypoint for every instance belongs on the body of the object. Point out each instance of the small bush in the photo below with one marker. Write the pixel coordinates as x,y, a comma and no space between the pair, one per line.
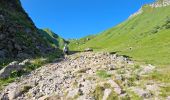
167,26
154,31
26,89
15,73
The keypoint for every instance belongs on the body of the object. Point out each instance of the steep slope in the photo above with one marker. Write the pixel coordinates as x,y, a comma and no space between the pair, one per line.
19,37
144,36
52,38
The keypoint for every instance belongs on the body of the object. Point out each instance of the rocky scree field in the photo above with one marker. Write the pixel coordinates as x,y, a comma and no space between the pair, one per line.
88,76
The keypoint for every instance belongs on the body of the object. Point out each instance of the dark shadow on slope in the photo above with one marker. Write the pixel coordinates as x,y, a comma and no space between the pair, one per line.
126,56
74,52
114,52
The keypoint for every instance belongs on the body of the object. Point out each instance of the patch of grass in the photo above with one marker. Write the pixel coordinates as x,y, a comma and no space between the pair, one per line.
134,96
103,74
162,76
106,85
165,91
15,73
4,82
98,93
4,62
137,66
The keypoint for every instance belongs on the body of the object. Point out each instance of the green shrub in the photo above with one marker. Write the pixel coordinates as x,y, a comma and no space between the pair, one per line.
15,73
167,26
26,89
154,31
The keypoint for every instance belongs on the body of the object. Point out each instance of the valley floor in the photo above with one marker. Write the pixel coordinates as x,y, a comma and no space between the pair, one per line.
88,76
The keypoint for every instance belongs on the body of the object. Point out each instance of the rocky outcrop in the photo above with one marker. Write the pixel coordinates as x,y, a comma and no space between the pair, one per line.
136,13
85,76
158,3
13,66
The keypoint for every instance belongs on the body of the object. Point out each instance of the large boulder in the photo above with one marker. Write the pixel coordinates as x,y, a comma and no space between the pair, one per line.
88,49
6,71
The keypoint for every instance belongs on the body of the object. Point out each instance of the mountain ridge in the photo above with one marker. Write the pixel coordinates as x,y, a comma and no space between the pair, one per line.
158,3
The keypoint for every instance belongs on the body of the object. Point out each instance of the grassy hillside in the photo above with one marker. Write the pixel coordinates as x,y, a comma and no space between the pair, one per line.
78,42
52,38
144,37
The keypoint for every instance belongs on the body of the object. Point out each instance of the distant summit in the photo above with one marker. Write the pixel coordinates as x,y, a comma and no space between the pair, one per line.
156,4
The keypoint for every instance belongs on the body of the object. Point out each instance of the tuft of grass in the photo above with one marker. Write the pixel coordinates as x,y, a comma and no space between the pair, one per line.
99,92
162,76
165,91
103,74
113,96
5,82
134,96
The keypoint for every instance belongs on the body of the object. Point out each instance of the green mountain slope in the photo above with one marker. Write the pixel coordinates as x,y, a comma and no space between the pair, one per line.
52,38
144,37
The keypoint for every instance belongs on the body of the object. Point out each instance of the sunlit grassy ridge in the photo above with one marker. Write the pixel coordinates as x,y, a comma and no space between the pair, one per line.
52,38
144,37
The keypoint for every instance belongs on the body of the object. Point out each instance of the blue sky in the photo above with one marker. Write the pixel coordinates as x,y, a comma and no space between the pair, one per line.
78,18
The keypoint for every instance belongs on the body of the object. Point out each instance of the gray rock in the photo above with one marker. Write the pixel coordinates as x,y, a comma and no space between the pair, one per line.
106,93
18,47
73,93
6,71
24,62
14,63
116,87
147,69
28,30
2,36
88,49
142,93
4,96
168,98
2,18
